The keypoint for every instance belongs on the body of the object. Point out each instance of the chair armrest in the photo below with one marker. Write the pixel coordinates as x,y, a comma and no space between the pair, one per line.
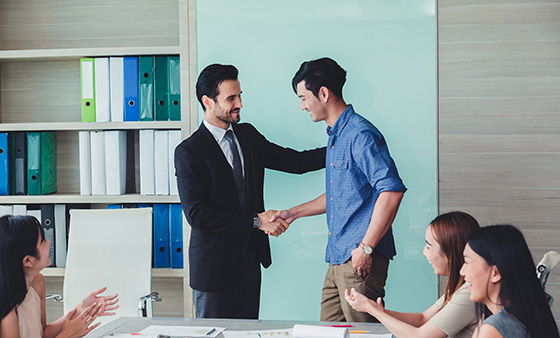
145,304
55,296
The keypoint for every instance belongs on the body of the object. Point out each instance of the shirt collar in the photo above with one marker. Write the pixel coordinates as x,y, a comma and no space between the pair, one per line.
217,132
341,121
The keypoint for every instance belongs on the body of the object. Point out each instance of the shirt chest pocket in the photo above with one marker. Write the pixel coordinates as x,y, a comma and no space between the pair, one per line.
345,177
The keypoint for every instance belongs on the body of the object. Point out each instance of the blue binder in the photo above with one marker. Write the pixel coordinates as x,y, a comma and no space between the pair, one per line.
161,236
176,235
130,71
4,165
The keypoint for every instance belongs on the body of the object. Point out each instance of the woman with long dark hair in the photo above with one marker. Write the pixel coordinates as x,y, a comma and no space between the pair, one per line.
501,273
453,314
24,252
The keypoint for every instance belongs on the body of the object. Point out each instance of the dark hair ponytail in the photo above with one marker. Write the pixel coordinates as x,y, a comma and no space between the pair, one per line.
18,238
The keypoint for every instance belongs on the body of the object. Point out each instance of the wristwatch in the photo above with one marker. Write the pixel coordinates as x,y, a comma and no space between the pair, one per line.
256,221
368,250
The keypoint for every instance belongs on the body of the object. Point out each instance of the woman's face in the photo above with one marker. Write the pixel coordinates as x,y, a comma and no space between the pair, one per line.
434,254
43,259
478,273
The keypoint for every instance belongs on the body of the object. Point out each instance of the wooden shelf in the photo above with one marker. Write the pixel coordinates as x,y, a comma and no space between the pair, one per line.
35,55
156,273
56,126
76,198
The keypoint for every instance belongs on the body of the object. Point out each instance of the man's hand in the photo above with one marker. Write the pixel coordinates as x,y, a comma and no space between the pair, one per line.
361,262
271,227
286,215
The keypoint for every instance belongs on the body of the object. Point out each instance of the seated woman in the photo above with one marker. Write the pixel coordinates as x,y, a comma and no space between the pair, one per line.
24,252
501,273
453,314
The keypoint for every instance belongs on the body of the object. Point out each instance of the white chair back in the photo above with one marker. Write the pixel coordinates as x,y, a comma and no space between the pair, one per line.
113,248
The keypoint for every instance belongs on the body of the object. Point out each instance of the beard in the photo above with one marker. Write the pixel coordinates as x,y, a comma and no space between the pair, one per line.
229,116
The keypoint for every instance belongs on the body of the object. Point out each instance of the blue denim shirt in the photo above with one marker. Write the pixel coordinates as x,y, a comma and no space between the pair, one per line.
358,168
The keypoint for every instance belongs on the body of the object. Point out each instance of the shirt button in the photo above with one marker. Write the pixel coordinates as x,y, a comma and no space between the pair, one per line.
332,216
332,147
331,198
330,233
331,164
331,181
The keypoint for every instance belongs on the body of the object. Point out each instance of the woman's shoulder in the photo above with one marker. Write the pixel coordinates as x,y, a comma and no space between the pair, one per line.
38,284
507,324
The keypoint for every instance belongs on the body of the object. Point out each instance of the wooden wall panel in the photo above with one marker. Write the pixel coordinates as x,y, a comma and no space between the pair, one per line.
499,116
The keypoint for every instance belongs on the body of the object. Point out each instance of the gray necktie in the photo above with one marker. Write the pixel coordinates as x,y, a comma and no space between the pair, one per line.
237,169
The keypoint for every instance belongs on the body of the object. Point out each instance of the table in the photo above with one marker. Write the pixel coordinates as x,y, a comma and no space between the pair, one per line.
135,324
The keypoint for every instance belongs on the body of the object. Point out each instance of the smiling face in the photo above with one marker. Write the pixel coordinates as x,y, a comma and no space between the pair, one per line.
311,103
225,108
484,278
434,254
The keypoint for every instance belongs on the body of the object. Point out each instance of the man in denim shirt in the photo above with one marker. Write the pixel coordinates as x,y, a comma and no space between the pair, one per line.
363,193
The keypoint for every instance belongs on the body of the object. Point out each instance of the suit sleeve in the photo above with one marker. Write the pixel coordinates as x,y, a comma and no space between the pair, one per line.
195,192
289,160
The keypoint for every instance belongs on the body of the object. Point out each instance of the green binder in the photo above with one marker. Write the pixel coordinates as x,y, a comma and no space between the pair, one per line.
174,88
41,163
87,79
146,87
161,90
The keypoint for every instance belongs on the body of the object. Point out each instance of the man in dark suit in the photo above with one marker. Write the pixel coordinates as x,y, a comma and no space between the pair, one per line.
220,177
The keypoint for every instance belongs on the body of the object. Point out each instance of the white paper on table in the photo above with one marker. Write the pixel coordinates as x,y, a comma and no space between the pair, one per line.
309,331
259,333
187,331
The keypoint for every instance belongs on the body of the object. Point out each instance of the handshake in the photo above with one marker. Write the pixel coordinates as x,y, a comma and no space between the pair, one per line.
274,222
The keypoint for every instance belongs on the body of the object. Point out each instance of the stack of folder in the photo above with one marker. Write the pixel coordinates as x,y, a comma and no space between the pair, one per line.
145,88
103,169
167,235
157,166
27,163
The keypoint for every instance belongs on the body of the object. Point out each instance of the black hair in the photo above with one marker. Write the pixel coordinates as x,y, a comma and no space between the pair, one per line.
211,77
324,72
520,291
18,238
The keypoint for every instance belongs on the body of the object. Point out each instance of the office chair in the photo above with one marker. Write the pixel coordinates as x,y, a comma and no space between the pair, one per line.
547,263
113,248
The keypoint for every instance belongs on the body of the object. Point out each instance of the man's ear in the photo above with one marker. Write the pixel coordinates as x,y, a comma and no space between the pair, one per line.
495,276
323,94
207,102
28,261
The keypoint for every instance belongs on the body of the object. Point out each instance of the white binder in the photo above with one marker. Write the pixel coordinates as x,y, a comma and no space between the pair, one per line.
85,162
98,163
117,88
19,209
102,90
161,159
174,140
115,162
5,210
60,235
147,167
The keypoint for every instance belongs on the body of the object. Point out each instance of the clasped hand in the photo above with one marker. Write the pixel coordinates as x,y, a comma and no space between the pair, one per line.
275,223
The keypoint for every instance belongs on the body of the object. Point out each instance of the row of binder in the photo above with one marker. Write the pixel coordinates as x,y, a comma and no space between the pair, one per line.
157,166
145,88
167,235
103,162
54,219
27,163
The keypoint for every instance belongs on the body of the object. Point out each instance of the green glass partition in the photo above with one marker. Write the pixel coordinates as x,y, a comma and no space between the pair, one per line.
388,49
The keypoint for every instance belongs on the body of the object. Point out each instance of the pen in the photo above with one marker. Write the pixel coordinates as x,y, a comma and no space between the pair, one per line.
358,331
345,325
210,331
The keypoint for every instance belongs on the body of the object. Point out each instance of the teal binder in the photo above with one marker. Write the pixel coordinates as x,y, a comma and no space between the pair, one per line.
146,87
41,163
161,89
174,88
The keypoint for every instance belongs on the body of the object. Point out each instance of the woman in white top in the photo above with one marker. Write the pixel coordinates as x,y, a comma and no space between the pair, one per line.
24,252
453,315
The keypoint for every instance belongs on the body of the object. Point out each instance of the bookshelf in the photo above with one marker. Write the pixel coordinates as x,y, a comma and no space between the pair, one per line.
41,44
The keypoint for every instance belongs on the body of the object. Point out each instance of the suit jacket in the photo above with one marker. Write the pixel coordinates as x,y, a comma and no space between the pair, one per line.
222,230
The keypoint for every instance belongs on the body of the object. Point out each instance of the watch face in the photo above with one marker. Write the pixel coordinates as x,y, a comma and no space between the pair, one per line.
256,222
368,250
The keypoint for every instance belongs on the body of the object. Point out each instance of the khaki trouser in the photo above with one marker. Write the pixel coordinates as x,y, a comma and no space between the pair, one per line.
334,307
